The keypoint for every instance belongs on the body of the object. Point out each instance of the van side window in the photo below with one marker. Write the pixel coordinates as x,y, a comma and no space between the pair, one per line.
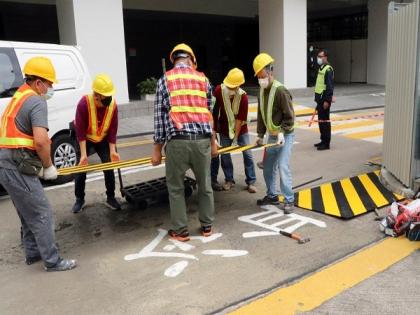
10,74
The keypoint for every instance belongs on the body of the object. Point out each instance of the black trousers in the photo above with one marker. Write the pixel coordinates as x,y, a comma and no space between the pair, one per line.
324,127
102,149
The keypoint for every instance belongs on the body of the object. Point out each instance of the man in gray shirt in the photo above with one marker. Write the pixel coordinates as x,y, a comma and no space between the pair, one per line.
25,156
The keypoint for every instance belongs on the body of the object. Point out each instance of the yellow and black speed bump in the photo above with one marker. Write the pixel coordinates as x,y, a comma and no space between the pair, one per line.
348,197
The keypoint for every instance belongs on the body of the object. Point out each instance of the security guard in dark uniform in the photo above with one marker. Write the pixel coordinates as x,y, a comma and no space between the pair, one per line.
324,90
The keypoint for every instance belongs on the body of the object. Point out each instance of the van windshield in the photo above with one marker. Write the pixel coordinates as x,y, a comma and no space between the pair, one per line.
10,74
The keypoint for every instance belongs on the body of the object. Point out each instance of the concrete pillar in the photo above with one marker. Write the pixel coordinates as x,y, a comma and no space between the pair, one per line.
97,27
377,41
283,35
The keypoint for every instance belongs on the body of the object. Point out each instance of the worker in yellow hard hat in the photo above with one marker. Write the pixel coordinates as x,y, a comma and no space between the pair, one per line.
276,117
183,122
25,156
96,126
230,116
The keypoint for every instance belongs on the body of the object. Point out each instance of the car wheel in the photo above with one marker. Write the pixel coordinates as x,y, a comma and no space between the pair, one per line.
64,153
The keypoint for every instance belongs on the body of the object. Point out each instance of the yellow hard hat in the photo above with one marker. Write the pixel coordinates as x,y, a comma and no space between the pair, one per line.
41,67
261,61
182,47
103,85
234,78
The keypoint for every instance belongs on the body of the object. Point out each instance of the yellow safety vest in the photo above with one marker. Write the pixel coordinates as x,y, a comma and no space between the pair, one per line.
268,117
97,133
232,108
320,86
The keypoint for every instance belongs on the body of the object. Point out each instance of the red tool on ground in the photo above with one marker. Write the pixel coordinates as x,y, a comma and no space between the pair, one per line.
296,237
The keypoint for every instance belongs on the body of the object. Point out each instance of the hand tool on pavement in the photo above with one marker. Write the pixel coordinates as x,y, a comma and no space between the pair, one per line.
296,237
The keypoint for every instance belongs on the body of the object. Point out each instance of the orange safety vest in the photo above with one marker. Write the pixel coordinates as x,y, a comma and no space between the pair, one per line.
10,136
94,132
188,96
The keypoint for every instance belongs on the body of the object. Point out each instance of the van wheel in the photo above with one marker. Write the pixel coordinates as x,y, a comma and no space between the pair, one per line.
64,153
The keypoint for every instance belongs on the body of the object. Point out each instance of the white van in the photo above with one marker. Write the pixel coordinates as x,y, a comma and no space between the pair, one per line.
73,82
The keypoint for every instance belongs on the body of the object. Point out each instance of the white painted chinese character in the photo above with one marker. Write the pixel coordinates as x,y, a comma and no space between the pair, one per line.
273,220
177,268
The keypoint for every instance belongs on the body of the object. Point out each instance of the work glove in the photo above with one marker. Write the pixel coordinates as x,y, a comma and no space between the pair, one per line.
280,139
259,142
234,142
50,173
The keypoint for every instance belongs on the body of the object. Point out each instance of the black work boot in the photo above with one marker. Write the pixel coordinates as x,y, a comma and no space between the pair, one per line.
78,206
323,147
31,260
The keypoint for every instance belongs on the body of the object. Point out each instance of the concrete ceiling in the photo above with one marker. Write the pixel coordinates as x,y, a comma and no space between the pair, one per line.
313,5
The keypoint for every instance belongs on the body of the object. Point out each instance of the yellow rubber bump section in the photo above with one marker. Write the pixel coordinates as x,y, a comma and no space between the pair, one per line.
314,290
329,200
348,197
305,199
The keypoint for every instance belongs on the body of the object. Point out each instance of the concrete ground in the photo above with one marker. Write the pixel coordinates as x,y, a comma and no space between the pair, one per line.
126,268
100,239
392,292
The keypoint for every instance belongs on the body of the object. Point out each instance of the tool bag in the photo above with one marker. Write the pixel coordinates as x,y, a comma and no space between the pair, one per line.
27,162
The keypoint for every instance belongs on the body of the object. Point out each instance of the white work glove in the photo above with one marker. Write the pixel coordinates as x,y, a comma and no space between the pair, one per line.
50,173
259,142
280,139
41,173
234,142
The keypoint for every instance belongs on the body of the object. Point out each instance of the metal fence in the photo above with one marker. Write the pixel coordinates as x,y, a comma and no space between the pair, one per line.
400,148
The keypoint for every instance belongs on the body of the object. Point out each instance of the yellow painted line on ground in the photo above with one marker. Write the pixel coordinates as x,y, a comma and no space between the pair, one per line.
374,192
365,134
352,196
318,288
330,203
134,143
305,199
355,124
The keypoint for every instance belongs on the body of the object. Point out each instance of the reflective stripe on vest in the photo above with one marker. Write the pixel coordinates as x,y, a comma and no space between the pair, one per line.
320,86
232,108
188,96
97,133
10,136
268,118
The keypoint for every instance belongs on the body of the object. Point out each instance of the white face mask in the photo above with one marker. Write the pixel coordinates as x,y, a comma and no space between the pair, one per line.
263,82
49,94
319,61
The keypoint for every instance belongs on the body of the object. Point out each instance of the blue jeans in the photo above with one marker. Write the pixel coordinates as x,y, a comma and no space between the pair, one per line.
277,159
227,165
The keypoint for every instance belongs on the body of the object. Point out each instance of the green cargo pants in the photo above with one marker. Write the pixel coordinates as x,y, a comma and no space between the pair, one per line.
182,155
